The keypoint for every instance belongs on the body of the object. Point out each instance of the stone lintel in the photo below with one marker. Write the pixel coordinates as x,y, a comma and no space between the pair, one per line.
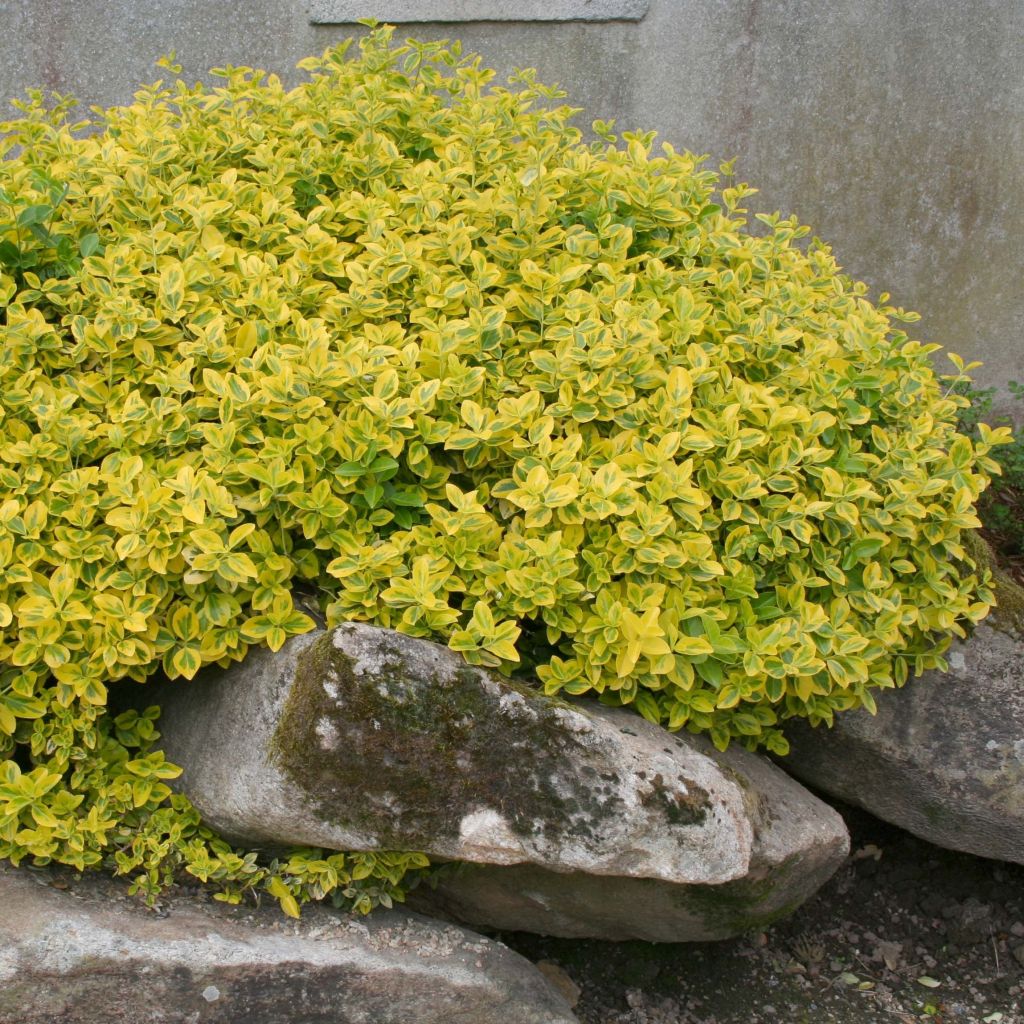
339,12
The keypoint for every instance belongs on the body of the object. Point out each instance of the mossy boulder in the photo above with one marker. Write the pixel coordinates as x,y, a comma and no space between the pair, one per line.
943,758
363,738
797,846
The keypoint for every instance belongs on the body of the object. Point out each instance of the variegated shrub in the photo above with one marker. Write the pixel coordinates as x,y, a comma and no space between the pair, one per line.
400,338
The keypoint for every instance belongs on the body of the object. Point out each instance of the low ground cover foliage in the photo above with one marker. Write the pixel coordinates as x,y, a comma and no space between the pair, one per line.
399,337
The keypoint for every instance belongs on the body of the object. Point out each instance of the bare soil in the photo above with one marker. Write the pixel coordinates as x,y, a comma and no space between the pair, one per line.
904,932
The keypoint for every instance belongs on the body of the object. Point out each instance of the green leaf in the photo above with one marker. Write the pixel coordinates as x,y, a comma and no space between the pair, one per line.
89,244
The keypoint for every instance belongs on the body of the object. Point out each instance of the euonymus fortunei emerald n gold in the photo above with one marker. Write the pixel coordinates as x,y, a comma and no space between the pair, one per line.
399,337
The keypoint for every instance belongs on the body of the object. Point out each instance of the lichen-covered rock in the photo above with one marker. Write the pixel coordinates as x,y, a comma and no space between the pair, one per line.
797,845
91,956
944,756
364,738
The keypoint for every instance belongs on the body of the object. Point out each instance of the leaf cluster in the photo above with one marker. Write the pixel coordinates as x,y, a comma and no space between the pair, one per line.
1001,508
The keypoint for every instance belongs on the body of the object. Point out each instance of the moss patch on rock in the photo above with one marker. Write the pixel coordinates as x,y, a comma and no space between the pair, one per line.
1008,614
407,757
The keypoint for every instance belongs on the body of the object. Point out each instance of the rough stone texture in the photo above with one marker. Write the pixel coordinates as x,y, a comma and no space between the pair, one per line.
797,845
331,12
895,129
363,738
944,756
89,956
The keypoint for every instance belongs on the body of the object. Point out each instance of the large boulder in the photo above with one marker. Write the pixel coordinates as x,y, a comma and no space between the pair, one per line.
363,738
943,757
91,956
796,845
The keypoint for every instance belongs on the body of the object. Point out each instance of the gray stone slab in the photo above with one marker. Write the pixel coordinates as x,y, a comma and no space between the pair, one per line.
336,12
798,844
87,954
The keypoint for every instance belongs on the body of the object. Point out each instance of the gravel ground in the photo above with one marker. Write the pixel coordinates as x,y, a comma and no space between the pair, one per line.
904,932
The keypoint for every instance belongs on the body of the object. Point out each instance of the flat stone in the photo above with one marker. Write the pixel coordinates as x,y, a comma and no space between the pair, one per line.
87,955
944,756
364,739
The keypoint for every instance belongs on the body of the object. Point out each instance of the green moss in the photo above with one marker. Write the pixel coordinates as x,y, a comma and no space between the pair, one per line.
406,759
1008,614
934,814
742,905
677,808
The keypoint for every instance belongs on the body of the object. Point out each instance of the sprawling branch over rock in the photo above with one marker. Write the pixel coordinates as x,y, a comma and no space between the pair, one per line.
944,756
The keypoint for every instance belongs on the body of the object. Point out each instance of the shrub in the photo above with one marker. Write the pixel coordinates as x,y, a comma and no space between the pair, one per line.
399,337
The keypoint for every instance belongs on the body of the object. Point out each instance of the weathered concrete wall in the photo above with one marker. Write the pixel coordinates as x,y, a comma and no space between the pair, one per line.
894,127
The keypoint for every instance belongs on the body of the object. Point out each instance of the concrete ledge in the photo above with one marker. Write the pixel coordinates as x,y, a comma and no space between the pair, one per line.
335,12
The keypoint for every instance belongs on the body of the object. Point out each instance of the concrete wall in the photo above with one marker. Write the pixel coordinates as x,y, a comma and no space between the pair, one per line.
894,127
